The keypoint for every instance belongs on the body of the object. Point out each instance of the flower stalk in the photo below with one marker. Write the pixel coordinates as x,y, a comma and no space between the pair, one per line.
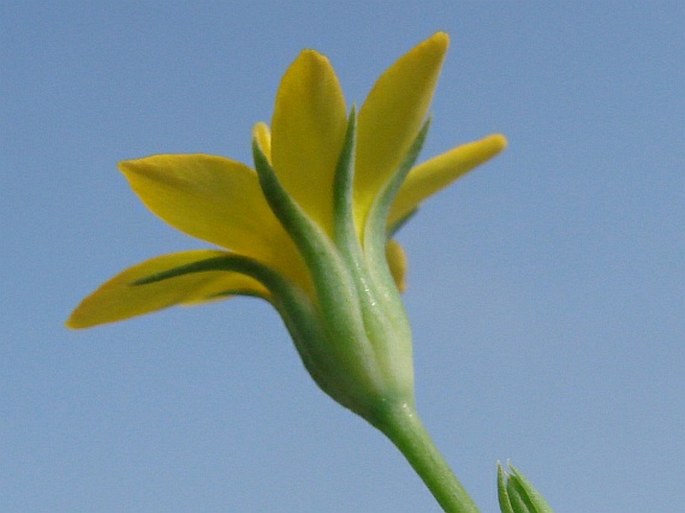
404,428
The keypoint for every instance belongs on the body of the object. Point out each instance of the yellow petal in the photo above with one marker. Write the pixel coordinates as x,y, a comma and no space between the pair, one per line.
215,199
120,299
262,133
397,261
392,115
308,129
429,177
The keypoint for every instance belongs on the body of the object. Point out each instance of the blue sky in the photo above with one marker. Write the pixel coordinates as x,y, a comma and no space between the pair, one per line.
546,290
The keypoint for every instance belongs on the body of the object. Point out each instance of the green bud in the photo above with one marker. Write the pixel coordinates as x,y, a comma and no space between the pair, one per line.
517,494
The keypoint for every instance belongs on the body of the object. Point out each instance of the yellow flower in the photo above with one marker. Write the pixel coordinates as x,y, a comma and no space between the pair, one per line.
309,228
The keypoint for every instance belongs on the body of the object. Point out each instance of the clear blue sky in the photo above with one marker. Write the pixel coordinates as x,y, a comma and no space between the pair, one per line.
547,290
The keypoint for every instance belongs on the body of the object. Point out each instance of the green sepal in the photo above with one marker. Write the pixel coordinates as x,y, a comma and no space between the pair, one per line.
393,228
234,292
279,287
332,280
376,236
343,187
313,243
376,223
226,263
346,237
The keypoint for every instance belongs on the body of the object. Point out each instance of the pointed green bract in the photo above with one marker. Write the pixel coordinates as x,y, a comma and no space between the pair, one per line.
221,263
346,233
313,243
375,228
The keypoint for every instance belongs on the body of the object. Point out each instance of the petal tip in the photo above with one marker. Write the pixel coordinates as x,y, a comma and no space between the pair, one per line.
80,317
499,141
312,56
73,323
441,38
261,133
260,130
127,167
432,49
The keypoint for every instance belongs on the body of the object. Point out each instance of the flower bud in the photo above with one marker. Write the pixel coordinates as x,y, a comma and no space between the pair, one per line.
517,494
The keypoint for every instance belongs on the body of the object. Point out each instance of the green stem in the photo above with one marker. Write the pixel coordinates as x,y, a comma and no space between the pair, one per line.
404,428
